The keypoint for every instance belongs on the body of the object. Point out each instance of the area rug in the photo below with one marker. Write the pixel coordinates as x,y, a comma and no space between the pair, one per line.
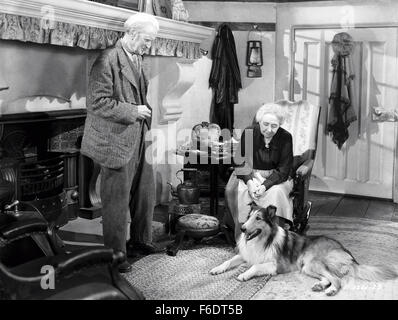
186,276
370,242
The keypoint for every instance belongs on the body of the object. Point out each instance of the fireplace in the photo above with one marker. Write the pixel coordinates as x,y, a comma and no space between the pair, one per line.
39,154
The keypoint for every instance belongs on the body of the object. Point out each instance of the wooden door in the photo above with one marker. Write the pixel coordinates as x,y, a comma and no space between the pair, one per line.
364,165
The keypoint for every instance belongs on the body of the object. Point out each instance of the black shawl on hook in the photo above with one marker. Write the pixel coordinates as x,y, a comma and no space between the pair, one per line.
341,110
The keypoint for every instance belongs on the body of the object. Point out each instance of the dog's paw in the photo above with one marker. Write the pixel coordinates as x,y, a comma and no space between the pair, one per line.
243,277
331,291
217,270
317,287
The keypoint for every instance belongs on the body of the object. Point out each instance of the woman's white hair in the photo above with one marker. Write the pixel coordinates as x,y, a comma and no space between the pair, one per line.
271,108
140,21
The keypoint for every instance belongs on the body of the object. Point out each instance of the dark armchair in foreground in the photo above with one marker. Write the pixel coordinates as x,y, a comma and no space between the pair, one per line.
89,274
33,265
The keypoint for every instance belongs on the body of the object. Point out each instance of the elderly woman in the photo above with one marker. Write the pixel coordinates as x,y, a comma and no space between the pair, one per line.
263,175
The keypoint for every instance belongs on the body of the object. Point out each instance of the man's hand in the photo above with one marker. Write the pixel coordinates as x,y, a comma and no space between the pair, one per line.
144,111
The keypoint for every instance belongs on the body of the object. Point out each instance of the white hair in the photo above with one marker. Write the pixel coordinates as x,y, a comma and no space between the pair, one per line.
271,108
140,21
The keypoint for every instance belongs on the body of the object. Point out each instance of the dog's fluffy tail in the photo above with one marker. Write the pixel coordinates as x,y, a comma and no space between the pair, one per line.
373,273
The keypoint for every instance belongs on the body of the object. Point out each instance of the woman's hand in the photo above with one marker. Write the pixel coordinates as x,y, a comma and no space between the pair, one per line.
252,187
260,191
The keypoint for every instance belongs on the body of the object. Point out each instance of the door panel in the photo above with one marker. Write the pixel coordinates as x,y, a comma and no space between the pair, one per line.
364,165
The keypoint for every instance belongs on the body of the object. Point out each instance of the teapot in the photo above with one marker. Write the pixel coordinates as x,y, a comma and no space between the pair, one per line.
187,192
204,134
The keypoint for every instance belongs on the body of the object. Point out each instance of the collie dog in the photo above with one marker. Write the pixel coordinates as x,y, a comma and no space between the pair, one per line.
269,250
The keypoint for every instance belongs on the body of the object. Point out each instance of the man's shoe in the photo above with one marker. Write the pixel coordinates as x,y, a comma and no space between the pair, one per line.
122,264
142,248
125,267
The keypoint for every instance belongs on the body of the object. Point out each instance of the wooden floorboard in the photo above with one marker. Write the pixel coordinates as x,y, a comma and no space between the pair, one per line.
352,207
318,200
395,214
380,210
324,204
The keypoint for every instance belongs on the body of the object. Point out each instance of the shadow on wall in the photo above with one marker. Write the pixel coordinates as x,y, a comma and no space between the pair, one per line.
285,71
33,70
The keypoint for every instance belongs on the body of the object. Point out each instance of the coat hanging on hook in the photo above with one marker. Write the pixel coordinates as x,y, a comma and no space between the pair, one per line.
224,78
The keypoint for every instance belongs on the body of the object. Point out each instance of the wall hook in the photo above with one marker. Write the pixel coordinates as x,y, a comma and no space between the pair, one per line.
203,51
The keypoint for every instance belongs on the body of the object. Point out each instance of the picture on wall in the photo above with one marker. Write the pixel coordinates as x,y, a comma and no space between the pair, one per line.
136,5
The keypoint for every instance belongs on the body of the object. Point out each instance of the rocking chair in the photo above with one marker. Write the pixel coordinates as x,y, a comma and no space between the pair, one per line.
302,121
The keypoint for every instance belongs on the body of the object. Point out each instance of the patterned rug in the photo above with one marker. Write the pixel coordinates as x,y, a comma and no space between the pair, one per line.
186,276
370,242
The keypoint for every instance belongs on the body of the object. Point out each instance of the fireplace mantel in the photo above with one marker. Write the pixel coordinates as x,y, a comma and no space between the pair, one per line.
45,116
93,15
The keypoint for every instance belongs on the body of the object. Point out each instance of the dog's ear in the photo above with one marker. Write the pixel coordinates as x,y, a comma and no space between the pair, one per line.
271,210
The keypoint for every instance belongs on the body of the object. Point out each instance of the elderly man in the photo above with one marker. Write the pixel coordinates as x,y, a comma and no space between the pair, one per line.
118,116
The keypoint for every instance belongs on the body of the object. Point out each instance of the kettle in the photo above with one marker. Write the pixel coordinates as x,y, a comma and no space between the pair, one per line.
188,192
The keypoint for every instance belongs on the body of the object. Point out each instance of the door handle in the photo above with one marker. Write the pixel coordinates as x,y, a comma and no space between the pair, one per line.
382,115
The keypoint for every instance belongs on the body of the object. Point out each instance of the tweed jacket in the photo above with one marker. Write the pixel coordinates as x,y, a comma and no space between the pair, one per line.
113,131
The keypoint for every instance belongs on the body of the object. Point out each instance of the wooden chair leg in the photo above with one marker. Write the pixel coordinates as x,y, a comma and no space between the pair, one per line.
173,248
304,224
